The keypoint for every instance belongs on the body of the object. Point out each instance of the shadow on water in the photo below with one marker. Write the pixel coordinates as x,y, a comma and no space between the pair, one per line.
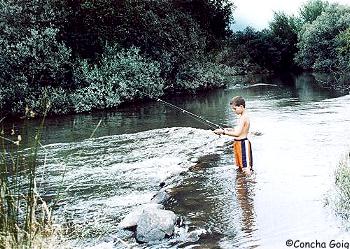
219,199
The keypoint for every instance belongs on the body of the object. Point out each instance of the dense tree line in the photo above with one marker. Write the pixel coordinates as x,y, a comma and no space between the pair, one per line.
317,39
94,54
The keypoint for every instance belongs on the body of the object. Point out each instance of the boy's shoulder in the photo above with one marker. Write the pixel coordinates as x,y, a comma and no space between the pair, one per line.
244,117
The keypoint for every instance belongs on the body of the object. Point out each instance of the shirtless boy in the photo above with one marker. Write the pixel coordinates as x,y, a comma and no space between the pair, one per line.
241,145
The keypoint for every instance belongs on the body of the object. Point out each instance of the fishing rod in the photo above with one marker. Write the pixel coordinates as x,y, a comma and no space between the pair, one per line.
195,116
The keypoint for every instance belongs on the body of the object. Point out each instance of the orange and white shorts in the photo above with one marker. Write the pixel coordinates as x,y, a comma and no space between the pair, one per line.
242,149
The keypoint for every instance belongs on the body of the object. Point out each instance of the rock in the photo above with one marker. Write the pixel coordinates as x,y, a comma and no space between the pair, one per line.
161,197
155,224
131,219
256,133
195,235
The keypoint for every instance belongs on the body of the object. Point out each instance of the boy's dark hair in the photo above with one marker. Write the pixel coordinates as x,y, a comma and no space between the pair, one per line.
237,101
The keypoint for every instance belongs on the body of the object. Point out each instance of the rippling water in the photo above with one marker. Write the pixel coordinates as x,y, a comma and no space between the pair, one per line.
305,131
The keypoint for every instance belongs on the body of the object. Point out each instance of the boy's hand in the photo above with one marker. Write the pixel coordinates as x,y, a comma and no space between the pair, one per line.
219,131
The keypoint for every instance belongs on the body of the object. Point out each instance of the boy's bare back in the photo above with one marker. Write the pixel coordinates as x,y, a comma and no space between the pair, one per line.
242,128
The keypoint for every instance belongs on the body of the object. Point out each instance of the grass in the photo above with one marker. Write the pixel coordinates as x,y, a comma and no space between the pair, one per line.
342,182
26,220
24,217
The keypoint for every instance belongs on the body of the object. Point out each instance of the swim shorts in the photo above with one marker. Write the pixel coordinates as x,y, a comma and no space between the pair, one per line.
242,149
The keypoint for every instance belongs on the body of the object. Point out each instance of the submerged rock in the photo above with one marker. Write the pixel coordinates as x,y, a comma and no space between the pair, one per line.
161,197
155,224
256,133
131,219
194,236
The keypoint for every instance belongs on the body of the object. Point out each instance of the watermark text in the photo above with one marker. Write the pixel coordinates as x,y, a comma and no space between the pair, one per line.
318,244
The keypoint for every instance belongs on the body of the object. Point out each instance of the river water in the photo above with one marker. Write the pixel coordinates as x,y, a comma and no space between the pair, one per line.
305,131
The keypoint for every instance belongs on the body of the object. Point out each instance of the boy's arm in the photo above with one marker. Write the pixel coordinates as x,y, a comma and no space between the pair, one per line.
236,132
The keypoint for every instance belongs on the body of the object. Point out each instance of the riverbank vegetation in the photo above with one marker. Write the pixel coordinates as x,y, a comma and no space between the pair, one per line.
90,55
25,218
342,182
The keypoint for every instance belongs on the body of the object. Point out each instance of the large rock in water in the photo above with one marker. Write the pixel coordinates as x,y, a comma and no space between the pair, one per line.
130,221
155,224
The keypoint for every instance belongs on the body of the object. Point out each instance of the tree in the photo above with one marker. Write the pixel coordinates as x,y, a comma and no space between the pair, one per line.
318,40
214,16
284,34
32,56
311,10
171,32
256,47
343,50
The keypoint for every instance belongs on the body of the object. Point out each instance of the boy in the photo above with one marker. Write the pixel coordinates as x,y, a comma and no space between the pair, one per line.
241,145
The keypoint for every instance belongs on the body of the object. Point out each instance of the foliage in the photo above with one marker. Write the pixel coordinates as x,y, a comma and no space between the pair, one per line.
171,32
318,41
213,16
271,49
255,47
65,50
31,55
342,182
43,45
283,30
336,81
145,24
203,75
121,76
311,10
343,50
25,219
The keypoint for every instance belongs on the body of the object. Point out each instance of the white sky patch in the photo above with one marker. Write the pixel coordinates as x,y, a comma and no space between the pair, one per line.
258,13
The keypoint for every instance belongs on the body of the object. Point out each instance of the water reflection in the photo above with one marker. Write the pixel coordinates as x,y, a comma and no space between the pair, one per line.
308,89
244,187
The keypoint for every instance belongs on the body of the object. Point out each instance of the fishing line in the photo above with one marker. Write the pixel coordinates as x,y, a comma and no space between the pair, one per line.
195,116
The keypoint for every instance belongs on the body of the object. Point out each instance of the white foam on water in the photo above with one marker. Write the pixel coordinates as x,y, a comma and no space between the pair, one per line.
107,176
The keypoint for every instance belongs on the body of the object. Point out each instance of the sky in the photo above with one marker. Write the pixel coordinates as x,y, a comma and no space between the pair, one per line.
258,13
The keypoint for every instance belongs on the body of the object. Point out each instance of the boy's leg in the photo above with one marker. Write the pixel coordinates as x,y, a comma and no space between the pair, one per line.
238,155
243,156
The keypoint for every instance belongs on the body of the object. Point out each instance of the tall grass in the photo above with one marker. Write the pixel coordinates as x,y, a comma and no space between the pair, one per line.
24,217
342,182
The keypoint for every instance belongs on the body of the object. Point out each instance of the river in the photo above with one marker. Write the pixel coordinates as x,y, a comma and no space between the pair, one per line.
305,131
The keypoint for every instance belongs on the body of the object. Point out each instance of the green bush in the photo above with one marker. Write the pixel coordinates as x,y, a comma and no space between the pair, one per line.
195,76
121,76
31,55
50,99
343,50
